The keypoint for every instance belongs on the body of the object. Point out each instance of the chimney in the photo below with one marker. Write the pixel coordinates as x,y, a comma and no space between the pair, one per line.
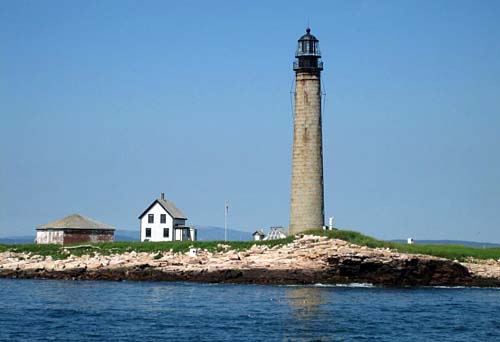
163,196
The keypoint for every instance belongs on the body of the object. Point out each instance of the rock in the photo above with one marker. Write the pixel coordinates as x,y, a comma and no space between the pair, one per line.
49,266
256,250
234,256
310,259
223,247
94,265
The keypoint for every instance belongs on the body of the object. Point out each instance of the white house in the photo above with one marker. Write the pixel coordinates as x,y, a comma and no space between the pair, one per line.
258,235
163,221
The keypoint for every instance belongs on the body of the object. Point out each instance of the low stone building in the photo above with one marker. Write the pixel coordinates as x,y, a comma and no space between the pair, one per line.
74,229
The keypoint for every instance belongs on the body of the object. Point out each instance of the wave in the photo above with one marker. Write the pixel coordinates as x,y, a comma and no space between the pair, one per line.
352,285
463,287
356,285
369,285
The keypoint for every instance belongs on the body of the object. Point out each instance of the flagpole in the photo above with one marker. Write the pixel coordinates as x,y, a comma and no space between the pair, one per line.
225,220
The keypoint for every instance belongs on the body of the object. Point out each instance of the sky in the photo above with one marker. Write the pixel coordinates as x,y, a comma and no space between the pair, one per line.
106,104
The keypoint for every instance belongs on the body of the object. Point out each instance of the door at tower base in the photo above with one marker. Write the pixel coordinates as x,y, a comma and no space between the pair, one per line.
307,199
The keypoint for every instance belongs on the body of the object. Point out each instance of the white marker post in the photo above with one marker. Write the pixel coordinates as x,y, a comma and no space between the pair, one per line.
226,209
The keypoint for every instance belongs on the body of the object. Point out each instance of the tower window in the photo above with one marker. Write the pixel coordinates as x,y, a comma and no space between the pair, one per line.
166,232
148,232
151,218
163,218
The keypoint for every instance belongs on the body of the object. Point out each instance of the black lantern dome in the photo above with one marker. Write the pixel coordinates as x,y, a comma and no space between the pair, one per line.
308,54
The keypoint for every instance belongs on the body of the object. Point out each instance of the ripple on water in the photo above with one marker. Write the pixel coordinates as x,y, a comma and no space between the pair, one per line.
44,310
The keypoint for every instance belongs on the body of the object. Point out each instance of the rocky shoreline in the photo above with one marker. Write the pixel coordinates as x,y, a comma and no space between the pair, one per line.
307,260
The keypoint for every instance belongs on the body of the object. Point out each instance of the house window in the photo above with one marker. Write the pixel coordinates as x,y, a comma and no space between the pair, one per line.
166,232
151,218
148,232
163,218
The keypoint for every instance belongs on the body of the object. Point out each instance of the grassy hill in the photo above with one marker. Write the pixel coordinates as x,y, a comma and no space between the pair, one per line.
452,252
458,252
118,247
453,242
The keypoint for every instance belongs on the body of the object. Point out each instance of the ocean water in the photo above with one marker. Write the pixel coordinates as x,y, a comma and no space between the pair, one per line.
57,310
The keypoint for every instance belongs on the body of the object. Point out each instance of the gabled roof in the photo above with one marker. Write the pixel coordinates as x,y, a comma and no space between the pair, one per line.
259,232
276,233
169,207
75,221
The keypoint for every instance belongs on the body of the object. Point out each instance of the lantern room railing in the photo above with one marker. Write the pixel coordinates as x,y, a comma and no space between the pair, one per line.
300,52
318,65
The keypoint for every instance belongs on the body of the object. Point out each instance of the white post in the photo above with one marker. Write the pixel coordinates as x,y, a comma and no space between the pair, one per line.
226,207
330,223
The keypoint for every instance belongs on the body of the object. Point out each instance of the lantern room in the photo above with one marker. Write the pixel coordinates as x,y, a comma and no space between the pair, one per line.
308,54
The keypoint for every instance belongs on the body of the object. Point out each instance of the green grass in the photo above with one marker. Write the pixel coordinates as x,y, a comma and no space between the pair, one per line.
44,250
452,252
445,251
119,247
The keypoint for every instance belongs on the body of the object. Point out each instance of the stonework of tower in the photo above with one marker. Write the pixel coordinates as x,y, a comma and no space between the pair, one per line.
307,198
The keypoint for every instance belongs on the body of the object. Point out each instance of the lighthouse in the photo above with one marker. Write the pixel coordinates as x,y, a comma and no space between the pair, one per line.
307,198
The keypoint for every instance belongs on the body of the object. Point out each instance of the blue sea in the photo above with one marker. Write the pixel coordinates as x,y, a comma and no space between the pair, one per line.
57,310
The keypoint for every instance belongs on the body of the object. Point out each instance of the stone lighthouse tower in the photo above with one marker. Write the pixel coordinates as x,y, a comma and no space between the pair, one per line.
307,203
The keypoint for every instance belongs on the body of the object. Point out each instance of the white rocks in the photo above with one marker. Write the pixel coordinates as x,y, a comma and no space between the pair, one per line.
307,253
256,250
94,265
234,256
223,247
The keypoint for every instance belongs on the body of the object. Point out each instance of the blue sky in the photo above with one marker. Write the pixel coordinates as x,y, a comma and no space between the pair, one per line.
105,104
